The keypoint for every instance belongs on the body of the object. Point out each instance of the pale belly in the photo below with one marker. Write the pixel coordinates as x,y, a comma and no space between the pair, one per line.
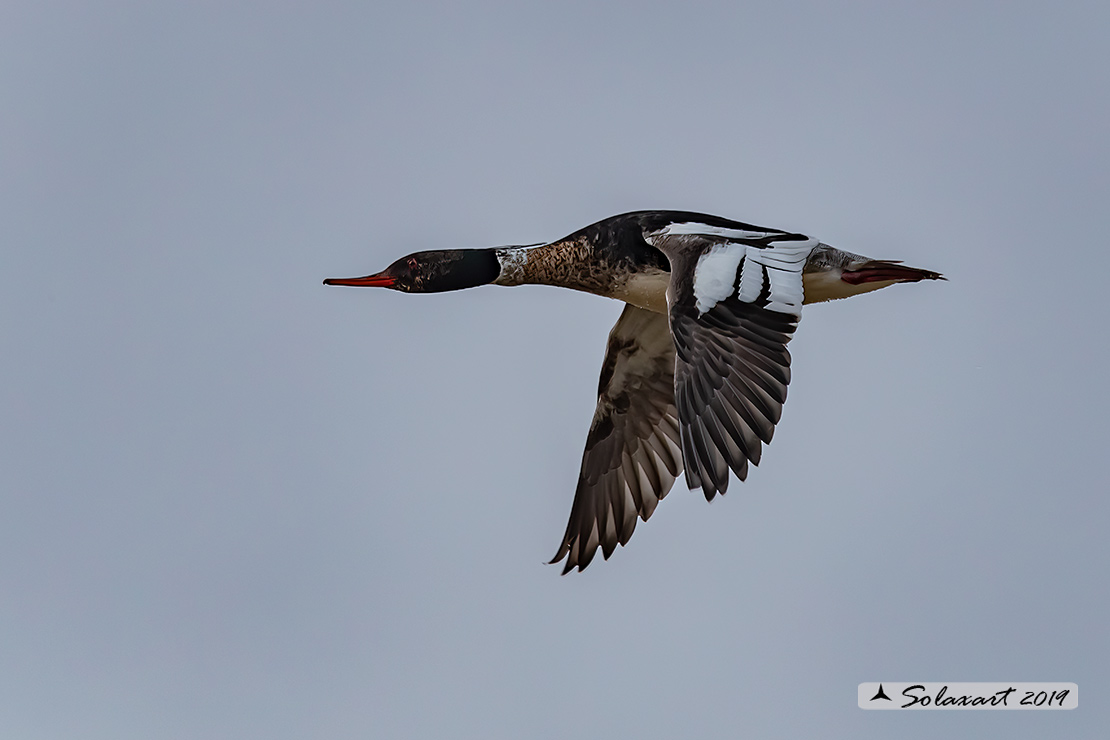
645,290
827,286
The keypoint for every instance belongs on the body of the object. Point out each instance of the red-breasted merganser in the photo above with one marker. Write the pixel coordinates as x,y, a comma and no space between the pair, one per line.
696,369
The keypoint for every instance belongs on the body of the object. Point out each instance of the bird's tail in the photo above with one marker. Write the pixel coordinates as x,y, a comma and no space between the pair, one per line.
882,270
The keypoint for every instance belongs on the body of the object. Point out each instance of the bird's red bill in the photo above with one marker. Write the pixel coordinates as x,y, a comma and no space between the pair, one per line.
380,280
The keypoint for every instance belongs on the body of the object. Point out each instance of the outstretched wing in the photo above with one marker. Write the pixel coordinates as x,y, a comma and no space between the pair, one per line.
730,384
632,451
735,299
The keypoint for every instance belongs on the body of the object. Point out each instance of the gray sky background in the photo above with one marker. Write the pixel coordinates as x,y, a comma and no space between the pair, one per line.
239,504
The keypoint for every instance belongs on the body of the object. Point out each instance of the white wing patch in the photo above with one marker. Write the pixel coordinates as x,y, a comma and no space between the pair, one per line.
771,258
715,273
782,262
779,264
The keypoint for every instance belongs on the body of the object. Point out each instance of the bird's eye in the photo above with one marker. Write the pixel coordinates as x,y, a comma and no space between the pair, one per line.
413,262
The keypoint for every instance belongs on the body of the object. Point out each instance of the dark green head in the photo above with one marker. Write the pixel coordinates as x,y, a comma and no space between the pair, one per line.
433,272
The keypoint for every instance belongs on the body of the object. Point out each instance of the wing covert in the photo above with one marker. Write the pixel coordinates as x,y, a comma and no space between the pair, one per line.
735,299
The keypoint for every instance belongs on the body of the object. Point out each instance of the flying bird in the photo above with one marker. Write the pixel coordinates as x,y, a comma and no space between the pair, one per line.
696,367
